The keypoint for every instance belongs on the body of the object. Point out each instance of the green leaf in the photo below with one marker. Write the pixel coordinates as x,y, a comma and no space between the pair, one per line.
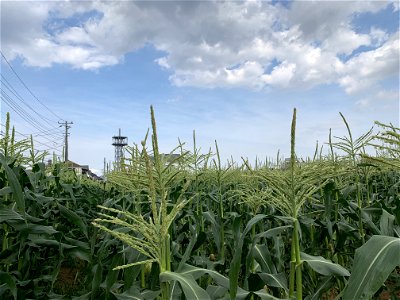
273,232
97,278
324,286
216,292
14,184
112,277
125,296
37,240
373,262
83,297
10,283
79,244
5,191
265,296
80,253
251,223
219,279
236,260
262,255
366,216
196,273
54,296
74,218
323,266
131,294
386,223
150,295
201,238
190,247
9,214
34,229
69,189
209,216
189,286
276,280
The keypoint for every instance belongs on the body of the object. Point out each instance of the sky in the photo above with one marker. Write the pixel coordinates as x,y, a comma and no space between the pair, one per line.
231,70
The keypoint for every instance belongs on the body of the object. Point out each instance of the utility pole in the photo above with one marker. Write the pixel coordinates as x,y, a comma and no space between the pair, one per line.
105,169
66,125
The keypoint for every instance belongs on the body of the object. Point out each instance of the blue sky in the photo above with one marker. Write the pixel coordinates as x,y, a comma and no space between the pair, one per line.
232,71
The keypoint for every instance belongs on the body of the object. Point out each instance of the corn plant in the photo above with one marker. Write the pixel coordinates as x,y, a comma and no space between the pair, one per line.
387,143
291,189
354,147
17,150
163,217
150,235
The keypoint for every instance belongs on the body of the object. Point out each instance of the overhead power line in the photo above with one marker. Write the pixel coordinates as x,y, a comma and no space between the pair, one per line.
46,134
28,89
45,127
24,115
55,147
9,87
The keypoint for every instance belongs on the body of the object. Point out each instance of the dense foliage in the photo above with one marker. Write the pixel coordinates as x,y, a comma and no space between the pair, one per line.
190,226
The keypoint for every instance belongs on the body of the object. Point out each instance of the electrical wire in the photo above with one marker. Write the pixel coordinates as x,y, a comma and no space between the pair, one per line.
55,147
44,125
44,130
21,112
9,86
27,88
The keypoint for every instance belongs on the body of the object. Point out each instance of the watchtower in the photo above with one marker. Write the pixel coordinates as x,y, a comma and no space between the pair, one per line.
119,142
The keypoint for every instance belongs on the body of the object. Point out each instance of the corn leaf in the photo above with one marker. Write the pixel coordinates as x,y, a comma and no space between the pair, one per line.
373,263
9,282
74,218
14,184
323,266
9,214
189,286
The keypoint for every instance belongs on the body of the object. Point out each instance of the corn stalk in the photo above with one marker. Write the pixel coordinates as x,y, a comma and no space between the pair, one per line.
150,234
291,189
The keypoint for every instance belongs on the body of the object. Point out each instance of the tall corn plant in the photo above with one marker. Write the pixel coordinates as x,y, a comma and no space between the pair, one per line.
387,143
290,190
17,150
149,235
353,148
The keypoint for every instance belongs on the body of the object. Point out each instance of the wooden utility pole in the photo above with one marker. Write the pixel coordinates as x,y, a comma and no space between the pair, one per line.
66,125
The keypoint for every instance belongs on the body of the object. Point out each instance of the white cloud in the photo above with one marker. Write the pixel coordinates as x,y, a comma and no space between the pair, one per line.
19,29
23,35
368,68
378,36
281,74
210,44
320,20
345,41
74,36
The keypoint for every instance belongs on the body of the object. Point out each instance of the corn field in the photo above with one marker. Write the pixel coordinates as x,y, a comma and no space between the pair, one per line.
192,226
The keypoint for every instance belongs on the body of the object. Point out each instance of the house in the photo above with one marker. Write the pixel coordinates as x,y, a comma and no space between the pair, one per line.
82,170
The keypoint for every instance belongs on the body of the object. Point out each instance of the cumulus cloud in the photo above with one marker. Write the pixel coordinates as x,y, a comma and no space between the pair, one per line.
24,35
345,41
281,74
251,44
368,68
